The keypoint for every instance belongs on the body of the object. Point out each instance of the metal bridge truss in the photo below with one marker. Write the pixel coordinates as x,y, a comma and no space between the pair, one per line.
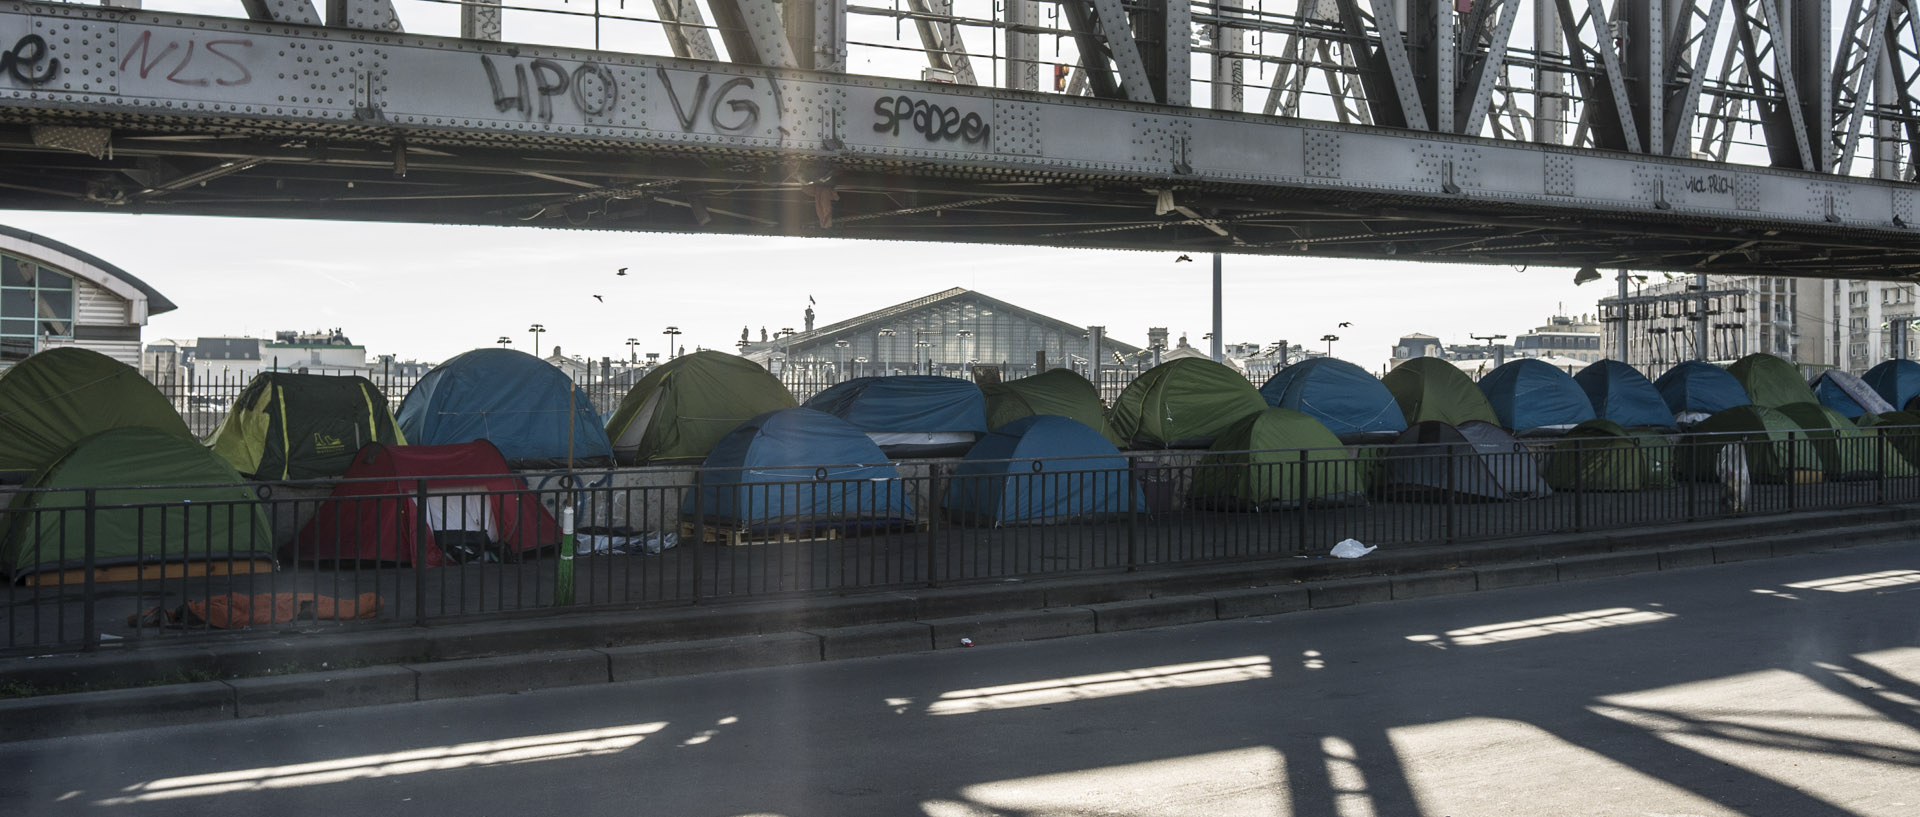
1726,136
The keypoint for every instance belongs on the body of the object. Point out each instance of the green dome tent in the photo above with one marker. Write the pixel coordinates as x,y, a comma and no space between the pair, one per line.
1767,436
1258,465
187,510
1428,388
1602,455
58,397
1845,451
1900,430
679,411
302,426
1060,392
1771,381
1183,403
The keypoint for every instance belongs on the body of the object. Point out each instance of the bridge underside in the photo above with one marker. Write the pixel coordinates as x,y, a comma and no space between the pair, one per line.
201,170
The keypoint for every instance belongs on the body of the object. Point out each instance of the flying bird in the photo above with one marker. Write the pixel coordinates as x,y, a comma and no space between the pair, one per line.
600,299
1343,324
623,271
1183,258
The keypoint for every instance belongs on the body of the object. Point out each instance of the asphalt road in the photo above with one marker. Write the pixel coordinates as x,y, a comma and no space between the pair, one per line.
1780,687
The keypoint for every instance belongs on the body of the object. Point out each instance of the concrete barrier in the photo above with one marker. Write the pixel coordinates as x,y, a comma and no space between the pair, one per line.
1161,612
1342,592
1434,583
693,658
307,692
1002,628
510,673
874,639
1494,577
114,710
1259,601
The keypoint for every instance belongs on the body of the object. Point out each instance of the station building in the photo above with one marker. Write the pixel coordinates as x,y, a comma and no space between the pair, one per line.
53,295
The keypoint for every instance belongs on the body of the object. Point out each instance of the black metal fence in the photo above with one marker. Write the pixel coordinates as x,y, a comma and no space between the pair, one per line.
112,564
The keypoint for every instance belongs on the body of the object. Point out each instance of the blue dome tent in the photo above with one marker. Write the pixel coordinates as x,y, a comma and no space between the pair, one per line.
1342,396
1041,469
1530,394
910,415
1620,393
518,402
798,467
1695,391
1849,395
1896,380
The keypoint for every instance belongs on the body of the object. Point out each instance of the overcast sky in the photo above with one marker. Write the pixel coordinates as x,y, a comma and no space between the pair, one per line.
429,292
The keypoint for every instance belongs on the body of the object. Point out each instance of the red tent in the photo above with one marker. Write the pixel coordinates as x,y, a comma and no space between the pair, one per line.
372,516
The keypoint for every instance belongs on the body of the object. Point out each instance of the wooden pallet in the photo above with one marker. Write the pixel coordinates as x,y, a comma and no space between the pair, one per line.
128,573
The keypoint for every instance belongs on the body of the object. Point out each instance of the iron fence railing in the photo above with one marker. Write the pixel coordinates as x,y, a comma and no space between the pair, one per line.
109,564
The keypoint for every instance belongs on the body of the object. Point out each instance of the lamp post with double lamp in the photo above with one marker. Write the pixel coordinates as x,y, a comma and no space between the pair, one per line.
633,353
504,341
536,331
966,345
860,363
1499,351
842,345
672,333
886,359
1329,339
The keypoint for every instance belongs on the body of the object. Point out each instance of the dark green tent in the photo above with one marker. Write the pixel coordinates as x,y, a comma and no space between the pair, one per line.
1768,437
1771,381
1428,388
187,508
1900,431
1061,392
1601,455
679,411
1845,451
1259,464
302,426
1183,403
58,397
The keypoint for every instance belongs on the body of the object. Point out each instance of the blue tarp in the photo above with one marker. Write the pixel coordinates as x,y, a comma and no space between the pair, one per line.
1696,386
1849,395
1529,393
1042,468
1342,396
798,465
909,412
1620,393
514,400
1896,380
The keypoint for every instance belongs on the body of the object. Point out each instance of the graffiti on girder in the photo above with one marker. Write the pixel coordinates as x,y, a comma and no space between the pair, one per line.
725,108
590,87
183,61
936,122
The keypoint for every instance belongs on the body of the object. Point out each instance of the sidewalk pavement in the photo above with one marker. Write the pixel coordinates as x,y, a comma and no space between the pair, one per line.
252,676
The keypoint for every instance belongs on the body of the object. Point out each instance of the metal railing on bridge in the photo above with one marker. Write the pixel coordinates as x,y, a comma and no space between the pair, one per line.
101,566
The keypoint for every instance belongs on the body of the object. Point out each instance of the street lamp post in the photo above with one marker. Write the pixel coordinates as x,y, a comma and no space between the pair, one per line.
504,341
536,330
885,357
1329,339
633,353
842,345
672,333
861,362
1499,352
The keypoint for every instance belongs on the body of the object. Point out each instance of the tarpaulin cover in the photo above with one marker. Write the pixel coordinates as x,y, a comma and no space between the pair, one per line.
58,397
682,408
1041,469
1061,392
1278,458
1697,387
1771,381
1529,393
1342,396
512,399
1896,380
1474,460
1849,395
188,508
1429,389
1183,403
302,426
1845,451
1602,455
1620,393
798,465
918,413
468,488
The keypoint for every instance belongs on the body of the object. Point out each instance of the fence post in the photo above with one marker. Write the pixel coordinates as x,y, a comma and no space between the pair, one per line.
90,640
1879,468
1300,504
1579,487
422,537
699,532
933,520
1793,471
1133,514
1448,528
1692,448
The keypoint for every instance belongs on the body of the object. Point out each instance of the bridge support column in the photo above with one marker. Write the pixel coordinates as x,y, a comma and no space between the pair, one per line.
1023,47
1228,72
480,20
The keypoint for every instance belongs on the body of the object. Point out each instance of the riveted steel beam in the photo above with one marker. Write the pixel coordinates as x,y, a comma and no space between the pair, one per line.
686,29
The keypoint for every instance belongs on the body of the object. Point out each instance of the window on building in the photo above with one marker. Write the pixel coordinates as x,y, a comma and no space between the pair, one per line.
36,303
